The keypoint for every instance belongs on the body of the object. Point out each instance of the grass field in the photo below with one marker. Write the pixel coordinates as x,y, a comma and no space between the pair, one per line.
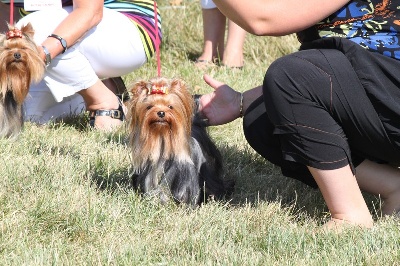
66,196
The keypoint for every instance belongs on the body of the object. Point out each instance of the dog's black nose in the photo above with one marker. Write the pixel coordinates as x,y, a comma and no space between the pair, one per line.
17,55
161,114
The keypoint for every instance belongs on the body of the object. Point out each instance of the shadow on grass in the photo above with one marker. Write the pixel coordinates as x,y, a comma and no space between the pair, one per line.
192,56
256,181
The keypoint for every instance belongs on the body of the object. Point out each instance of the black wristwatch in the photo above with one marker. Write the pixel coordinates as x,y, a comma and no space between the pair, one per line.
62,41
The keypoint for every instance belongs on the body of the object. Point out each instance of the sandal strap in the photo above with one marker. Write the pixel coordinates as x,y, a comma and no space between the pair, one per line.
113,113
117,114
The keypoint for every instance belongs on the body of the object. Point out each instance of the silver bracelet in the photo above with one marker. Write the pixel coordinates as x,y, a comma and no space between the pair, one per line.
47,59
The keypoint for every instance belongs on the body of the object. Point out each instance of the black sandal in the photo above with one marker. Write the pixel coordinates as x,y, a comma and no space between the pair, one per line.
116,113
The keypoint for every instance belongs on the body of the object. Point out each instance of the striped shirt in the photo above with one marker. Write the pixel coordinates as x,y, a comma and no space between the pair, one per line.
141,13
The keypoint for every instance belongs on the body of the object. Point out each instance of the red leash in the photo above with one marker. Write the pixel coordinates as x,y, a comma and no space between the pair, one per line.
157,40
11,12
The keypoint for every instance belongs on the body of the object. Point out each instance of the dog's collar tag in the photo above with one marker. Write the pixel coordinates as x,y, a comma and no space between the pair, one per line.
15,33
158,90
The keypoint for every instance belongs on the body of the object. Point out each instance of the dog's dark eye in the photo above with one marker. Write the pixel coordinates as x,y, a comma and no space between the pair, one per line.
170,107
149,107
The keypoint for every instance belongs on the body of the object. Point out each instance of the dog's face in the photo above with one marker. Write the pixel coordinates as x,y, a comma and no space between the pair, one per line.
161,106
20,63
161,118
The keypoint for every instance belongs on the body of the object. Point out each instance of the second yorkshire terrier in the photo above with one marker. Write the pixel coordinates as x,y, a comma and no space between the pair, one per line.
173,156
20,64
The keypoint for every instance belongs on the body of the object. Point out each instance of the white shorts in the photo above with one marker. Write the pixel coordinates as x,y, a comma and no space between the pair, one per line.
102,53
207,4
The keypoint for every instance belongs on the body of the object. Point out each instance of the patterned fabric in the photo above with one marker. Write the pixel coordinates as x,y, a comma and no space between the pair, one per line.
373,24
141,13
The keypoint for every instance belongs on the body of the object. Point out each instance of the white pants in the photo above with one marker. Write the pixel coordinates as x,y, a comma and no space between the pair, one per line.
113,48
207,4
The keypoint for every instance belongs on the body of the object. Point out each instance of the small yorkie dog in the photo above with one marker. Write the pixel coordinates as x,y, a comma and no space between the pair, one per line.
20,64
173,156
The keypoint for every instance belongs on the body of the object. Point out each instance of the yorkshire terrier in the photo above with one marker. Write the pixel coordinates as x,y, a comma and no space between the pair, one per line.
20,64
172,154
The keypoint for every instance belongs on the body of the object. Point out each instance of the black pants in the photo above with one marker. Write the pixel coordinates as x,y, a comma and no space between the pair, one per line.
315,111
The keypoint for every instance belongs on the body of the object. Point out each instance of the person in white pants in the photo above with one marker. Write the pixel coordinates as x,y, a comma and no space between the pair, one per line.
99,43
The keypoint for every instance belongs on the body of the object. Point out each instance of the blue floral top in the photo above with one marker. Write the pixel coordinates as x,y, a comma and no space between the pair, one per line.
373,24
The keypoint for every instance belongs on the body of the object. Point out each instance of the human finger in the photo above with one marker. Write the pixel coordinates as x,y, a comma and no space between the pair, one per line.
212,82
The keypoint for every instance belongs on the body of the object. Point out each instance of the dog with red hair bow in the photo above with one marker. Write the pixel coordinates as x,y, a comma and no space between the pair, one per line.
173,156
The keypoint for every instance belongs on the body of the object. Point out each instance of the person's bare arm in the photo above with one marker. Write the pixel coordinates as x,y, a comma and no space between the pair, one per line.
85,15
277,17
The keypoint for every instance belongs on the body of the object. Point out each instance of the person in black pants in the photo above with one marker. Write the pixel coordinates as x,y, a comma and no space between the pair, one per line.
329,114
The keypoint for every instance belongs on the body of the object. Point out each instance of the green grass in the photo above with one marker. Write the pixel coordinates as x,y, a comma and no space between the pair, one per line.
66,196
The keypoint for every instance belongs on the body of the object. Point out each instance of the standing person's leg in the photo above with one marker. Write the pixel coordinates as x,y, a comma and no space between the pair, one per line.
214,23
233,52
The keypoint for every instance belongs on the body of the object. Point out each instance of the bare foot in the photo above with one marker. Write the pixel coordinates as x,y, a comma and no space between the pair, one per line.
338,225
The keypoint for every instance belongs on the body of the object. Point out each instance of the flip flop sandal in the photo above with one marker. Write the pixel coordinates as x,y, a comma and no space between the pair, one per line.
202,64
232,67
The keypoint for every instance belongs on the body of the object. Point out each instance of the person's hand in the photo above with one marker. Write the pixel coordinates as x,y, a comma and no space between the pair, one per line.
220,106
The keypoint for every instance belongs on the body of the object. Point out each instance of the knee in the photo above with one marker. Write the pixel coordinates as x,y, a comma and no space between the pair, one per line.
282,72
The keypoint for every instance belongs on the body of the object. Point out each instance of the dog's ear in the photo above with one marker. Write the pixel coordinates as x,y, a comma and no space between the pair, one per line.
28,30
178,84
139,87
179,87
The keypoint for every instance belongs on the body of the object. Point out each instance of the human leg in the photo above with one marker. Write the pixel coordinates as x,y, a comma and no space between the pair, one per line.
117,86
41,107
343,196
258,131
98,97
382,180
233,52
338,187
214,23
311,98
95,56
